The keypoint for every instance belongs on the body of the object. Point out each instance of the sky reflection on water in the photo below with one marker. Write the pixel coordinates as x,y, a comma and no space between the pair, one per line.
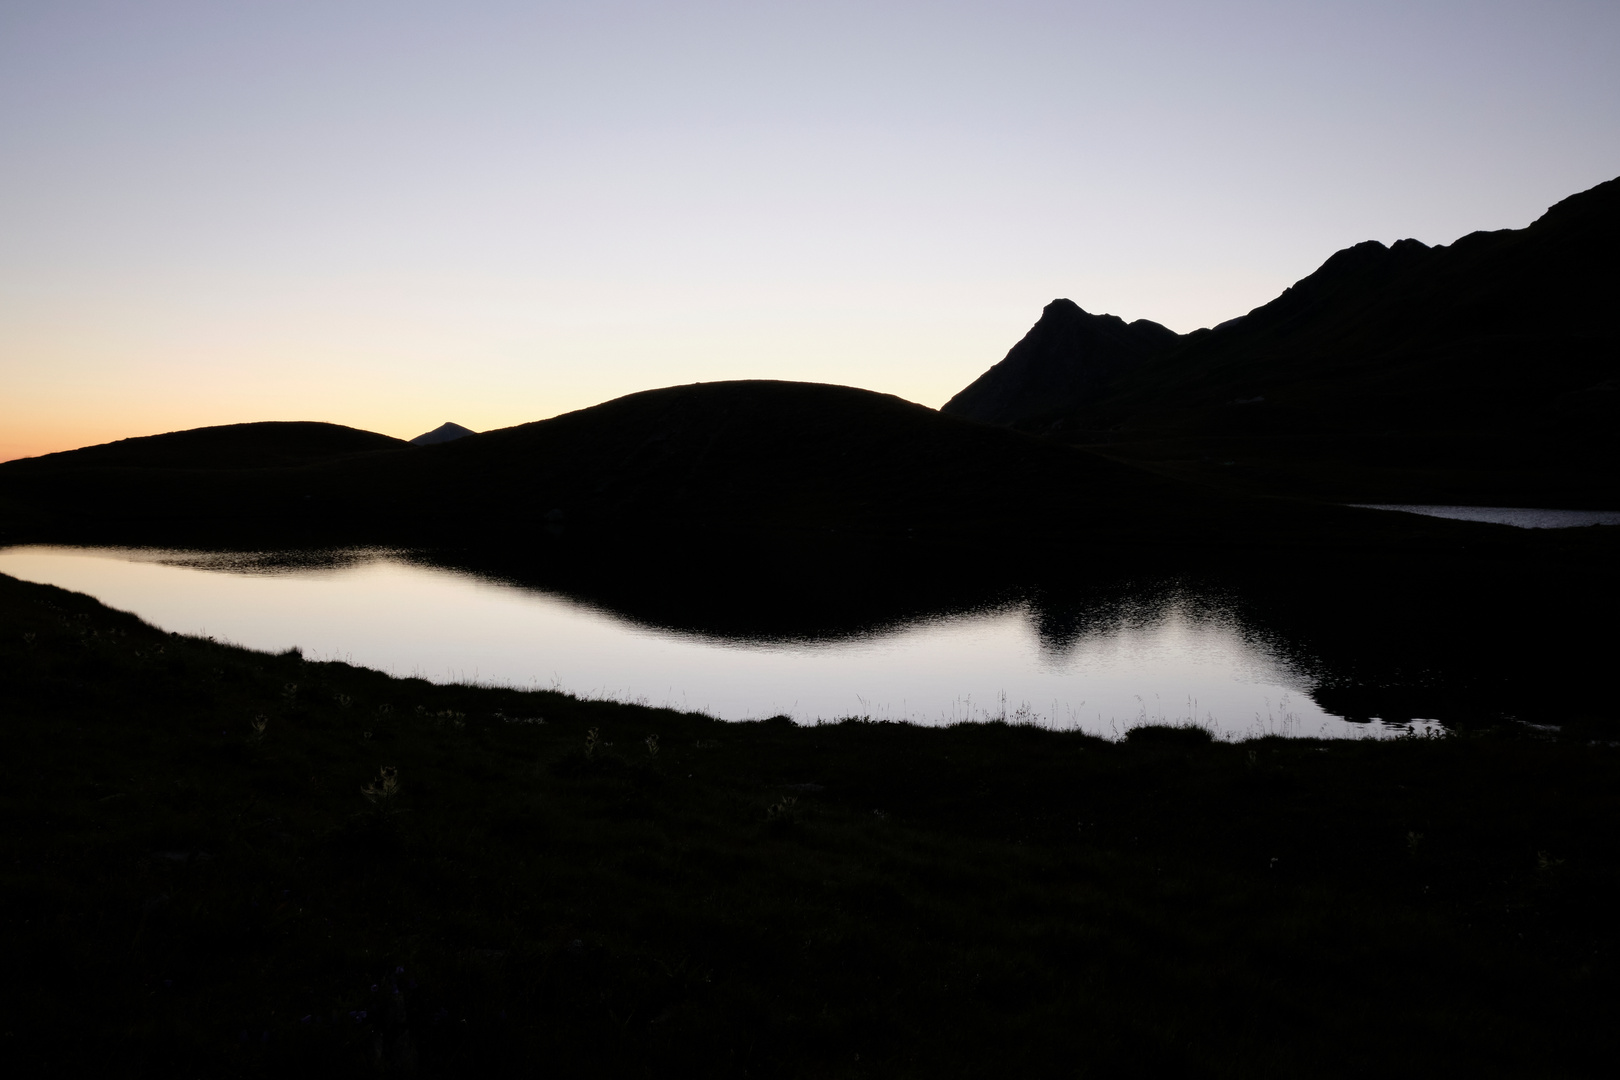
1520,517
1173,660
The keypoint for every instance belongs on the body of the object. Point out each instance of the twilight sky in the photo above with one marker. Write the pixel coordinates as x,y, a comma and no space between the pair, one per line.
390,214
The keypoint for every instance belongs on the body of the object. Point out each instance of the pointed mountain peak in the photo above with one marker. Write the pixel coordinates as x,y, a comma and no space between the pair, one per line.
1068,357
446,432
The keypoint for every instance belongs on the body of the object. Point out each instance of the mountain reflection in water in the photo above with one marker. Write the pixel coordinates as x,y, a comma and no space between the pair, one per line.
1520,517
1132,655
1320,650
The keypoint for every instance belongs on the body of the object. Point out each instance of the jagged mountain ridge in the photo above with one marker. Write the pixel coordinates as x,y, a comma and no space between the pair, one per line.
1510,311
1485,370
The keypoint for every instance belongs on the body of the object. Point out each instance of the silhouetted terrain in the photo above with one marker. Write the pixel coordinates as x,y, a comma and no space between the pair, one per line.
1487,370
704,463
742,467
771,457
446,432
199,878
1066,360
269,445
195,884
768,509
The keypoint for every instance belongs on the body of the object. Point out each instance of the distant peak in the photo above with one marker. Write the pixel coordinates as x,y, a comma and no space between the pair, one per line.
446,432
1066,359
1063,310
1066,310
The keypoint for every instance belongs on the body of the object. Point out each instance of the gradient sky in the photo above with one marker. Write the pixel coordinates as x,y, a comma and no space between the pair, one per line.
391,214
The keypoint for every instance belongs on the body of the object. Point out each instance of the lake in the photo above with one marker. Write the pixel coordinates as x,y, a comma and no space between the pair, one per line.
1520,517
1167,655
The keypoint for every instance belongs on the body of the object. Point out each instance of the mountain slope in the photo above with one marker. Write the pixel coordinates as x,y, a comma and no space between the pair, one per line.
710,466
1487,370
1067,360
1474,333
751,457
446,432
266,445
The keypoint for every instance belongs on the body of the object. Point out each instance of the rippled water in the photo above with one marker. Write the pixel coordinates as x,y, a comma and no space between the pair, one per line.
1177,658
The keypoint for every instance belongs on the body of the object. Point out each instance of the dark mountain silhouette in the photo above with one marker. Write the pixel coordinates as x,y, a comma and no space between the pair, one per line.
775,455
740,466
758,456
1486,370
446,432
1066,360
1482,331
785,508
270,444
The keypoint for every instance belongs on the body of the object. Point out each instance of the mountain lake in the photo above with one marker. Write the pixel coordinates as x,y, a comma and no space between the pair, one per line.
1170,661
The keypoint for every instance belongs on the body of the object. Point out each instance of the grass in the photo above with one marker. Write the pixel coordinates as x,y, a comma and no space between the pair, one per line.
222,862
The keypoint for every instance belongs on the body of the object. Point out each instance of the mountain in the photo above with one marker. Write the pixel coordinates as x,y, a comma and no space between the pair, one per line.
266,445
1067,360
446,432
1487,370
755,456
765,454
782,508
740,467
1482,332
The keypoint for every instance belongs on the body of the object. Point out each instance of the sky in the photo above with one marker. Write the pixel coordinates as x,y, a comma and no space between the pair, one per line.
393,214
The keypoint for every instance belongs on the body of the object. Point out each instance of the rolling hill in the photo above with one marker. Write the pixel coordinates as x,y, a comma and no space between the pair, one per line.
735,467
268,445
723,458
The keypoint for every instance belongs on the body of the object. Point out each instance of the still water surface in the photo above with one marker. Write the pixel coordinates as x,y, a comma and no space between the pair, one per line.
1520,517
1178,659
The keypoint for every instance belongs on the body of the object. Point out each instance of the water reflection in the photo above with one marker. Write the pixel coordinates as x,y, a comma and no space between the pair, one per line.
1520,517
1102,658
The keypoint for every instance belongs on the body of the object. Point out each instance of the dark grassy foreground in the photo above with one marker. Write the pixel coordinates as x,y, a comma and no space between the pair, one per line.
185,895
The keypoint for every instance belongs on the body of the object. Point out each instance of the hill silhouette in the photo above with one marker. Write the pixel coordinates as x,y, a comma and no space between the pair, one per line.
264,445
1485,370
773,456
720,457
739,466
